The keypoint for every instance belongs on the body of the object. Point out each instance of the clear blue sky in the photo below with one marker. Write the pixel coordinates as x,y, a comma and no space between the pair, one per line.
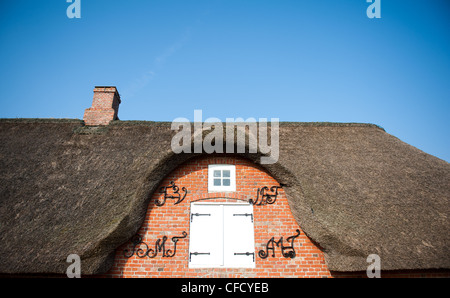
297,60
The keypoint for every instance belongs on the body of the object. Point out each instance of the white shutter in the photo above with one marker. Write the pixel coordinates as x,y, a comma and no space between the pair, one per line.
206,236
239,248
221,235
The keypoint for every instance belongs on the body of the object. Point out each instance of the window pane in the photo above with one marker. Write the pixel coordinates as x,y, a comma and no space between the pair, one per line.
219,177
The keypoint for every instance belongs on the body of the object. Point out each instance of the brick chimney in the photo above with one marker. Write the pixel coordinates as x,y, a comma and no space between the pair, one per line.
105,106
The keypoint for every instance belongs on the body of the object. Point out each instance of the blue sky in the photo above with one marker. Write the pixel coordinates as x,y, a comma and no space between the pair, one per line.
296,60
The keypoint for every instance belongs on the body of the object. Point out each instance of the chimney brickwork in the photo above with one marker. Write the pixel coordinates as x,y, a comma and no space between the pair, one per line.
105,107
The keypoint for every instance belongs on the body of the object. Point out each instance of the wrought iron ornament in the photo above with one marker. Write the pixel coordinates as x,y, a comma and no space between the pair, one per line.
176,194
265,198
141,249
286,251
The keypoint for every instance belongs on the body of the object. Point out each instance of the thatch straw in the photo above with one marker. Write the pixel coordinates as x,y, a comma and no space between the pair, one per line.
354,189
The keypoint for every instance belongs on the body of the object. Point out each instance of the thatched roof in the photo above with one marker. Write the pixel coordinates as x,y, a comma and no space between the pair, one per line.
354,189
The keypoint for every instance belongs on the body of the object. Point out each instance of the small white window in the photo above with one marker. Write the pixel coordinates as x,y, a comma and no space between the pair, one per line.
221,178
221,236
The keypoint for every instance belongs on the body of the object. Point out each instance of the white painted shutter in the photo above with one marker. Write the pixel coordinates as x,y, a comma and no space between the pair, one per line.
239,248
206,236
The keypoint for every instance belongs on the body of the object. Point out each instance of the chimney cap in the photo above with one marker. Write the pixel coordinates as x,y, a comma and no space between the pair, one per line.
106,87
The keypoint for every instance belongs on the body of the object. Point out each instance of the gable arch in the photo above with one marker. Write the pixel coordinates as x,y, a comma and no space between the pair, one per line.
172,161
168,161
170,219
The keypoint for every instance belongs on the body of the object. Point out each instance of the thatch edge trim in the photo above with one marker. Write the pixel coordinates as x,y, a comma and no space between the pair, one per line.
167,123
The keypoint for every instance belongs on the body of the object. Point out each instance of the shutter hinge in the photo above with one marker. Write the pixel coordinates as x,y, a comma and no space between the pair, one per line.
197,253
246,254
245,214
198,214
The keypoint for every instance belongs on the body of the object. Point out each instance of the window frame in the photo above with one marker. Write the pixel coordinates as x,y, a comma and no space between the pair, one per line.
221,188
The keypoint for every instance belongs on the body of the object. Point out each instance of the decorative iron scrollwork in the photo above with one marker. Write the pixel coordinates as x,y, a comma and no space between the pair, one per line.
176,194
265,198
141,249
286,251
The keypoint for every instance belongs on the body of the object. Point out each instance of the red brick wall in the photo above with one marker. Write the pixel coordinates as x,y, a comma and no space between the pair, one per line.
270,221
